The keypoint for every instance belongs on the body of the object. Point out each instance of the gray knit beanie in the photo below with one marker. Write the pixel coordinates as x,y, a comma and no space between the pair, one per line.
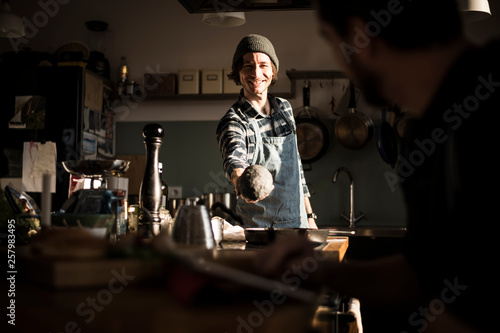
255,43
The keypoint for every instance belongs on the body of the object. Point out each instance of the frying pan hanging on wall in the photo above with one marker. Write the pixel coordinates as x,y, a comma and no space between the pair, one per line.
353,129
313,136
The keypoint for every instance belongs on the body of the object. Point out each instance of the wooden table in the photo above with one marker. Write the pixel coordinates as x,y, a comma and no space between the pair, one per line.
119,296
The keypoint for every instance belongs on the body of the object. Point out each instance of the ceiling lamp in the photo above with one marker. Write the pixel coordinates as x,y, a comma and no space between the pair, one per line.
11,25
226,19
474,10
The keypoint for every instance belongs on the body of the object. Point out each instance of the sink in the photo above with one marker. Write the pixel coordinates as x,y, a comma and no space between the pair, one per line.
366,231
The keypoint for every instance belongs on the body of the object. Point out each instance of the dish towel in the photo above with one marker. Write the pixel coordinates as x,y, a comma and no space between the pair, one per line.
233,233
38,159
355,309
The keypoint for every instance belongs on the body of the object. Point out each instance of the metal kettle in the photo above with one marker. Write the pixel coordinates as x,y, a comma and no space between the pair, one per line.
192,225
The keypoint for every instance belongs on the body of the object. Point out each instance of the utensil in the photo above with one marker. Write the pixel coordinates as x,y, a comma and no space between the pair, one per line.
192,225
353,129
313,136
234,218
214,269
268,235
20,202
96,168
90,202
174,205
225,199
98,224
218,228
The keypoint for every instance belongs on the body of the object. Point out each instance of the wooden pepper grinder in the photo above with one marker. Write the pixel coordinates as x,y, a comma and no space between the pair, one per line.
150,192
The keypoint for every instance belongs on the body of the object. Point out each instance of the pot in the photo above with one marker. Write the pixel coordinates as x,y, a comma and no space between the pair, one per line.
387,144
215,200
220,209
193,226
174,204
312,135
353,129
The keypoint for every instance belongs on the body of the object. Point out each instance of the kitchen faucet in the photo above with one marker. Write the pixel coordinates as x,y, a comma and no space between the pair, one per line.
351,219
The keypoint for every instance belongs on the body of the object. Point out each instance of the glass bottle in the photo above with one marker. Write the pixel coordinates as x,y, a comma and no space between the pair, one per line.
123,77
166,218
164,187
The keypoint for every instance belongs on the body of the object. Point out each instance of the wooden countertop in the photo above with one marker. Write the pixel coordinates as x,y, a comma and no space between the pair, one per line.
131,295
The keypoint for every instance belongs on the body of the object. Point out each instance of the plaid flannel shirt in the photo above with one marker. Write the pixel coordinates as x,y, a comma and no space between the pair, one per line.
237,140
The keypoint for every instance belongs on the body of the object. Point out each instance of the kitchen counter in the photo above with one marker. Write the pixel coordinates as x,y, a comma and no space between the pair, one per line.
368,231
133,295
150,309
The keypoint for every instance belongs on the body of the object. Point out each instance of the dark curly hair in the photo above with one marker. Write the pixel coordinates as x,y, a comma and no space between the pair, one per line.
403,24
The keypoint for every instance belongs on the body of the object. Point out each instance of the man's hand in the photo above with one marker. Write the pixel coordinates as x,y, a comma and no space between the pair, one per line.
312,223
235,175
294,259
283,254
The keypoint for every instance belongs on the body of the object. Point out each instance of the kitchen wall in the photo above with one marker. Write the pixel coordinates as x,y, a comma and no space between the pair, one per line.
161,36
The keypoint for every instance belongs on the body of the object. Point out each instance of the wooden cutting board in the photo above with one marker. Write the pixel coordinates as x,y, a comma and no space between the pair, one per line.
79,273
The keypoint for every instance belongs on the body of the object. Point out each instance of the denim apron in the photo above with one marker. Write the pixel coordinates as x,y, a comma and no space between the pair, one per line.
284,207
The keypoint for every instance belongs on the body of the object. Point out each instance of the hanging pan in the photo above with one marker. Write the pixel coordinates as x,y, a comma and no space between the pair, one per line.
387,142
312,135
353,129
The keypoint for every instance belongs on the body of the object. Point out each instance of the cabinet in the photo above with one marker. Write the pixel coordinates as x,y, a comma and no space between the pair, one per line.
73,113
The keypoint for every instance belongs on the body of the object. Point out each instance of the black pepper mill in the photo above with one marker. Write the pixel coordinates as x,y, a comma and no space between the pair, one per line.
150,192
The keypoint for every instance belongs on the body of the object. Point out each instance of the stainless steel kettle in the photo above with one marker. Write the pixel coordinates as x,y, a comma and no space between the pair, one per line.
192,225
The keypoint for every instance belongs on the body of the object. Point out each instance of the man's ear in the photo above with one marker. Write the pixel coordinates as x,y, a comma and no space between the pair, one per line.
367,46
360,40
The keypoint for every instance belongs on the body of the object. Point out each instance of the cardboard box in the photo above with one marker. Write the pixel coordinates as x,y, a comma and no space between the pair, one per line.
189,81
228,86
93,92
161,84
211,81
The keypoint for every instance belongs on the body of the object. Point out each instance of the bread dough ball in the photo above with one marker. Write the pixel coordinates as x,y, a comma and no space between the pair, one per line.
255,183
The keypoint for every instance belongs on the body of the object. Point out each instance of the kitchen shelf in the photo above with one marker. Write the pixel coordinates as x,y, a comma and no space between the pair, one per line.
292,74
318,74
205,97
189,97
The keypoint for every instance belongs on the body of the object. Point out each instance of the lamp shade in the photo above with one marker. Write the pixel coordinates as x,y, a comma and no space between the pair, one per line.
474,10
11,25
226,19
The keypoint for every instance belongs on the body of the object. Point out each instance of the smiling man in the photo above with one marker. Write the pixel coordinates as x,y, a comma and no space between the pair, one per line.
260,129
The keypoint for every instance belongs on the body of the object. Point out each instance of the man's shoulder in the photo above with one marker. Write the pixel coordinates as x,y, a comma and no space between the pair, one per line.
235,113
280,101
282,104
233,117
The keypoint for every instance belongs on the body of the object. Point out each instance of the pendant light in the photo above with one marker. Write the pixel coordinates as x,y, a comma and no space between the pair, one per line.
474,10
11,25
226,19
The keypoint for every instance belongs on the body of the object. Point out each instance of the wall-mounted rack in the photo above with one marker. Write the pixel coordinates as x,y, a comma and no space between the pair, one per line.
295,75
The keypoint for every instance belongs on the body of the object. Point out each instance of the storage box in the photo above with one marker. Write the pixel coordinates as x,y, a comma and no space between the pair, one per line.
160,84
93,92
189,81
228,86
211,81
